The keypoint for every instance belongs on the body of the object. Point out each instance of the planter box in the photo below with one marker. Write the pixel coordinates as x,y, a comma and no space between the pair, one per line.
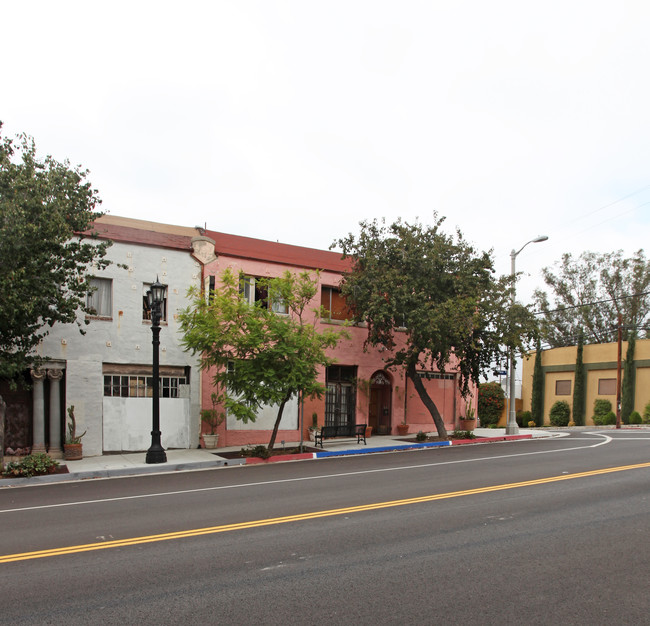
72,451
210,442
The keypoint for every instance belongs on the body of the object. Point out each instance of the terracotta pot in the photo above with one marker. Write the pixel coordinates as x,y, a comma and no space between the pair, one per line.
72,451
402,429
467,424
368,431
210,441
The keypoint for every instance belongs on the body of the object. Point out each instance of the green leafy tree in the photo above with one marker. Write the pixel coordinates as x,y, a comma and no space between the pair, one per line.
430,299
627,392
589,292
579,386
45,205
537,400
258,357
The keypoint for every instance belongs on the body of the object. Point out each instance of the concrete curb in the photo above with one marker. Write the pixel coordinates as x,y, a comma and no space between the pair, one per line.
118,472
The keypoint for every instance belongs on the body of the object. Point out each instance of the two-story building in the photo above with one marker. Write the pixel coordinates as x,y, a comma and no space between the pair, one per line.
359,389
106,373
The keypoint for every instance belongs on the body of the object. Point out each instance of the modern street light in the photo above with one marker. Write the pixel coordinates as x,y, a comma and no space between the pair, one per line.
511,425
155,299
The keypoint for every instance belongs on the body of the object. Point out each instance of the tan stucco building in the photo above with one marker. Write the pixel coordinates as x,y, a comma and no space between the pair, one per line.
600,370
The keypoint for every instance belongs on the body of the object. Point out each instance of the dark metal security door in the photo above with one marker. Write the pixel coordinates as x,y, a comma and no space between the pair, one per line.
340,396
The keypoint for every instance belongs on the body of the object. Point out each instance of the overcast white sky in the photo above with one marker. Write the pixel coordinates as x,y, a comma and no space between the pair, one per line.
293,120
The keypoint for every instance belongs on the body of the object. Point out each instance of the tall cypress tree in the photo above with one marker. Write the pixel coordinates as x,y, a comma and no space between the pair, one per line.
537,400
579,386
627,396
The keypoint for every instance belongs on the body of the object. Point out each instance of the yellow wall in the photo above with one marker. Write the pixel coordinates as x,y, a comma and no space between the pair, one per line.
641,391
550,397
560,364
591,392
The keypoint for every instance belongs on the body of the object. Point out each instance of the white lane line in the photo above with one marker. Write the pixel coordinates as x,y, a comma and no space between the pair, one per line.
606,440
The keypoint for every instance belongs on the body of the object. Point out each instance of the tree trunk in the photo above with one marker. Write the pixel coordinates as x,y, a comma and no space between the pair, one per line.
277,422
427,401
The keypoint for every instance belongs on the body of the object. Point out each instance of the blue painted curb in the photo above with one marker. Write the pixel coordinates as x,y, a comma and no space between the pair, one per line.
410,446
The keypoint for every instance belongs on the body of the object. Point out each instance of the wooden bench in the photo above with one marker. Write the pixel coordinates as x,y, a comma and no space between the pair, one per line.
343,430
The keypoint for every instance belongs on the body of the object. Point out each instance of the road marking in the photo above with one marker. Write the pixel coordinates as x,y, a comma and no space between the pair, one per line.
606,439
197,532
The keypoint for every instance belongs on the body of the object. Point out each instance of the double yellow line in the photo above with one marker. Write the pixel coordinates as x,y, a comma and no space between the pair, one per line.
133,541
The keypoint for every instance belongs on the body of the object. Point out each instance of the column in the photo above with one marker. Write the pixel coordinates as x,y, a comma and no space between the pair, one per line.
55,413
38,418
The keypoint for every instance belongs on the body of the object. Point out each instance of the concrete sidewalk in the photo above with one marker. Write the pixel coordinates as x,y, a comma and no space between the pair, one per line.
117,465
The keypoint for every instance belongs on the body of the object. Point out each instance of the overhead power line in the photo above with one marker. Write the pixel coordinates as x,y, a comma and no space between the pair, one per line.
579,306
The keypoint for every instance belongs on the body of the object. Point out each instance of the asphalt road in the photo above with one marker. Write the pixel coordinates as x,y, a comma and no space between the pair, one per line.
535,532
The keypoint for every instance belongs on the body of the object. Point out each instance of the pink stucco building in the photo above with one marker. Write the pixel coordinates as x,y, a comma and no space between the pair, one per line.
359,388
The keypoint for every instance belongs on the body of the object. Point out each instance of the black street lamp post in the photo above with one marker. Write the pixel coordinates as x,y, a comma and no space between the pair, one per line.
155,299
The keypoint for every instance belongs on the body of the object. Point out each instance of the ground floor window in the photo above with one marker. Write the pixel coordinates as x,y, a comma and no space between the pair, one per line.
340,396
137,381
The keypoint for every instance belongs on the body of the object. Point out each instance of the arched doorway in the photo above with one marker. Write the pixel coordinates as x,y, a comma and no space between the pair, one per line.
380,409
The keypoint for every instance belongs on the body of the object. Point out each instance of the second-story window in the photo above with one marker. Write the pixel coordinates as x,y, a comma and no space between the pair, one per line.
334,305
255,290
100,297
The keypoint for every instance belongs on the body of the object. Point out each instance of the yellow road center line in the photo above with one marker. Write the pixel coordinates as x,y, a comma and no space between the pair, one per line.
196,532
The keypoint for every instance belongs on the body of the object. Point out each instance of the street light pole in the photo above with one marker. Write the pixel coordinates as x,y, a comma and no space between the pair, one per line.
511,425
155,299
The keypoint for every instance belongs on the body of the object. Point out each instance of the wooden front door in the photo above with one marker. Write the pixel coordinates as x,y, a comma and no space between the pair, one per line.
379,411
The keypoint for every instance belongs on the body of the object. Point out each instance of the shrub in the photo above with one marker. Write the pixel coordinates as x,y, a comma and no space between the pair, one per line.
610,419
560,413
463,434
524,417
260,451
532,424
491,401
635,417
601,408
31,465
421,436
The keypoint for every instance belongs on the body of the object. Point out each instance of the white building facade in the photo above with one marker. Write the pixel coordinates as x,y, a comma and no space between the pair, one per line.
106,373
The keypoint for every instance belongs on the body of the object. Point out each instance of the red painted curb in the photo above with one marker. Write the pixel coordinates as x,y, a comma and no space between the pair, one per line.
460,442
253,460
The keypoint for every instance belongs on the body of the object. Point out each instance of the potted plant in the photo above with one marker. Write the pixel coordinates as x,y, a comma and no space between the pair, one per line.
314,428
72,448
403,428
468,421
368,431
212,418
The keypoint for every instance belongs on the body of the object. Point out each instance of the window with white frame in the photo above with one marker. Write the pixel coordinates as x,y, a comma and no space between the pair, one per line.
255,290
146,311
100,298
